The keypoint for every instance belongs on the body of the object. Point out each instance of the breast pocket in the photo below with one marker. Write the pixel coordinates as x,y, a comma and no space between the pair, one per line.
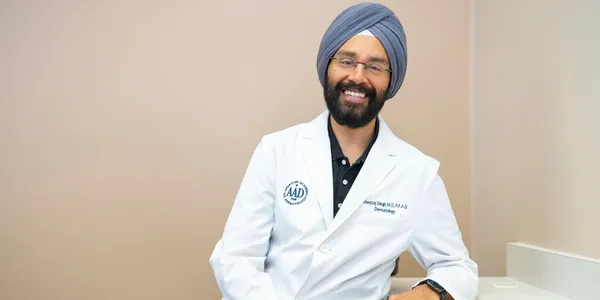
296,205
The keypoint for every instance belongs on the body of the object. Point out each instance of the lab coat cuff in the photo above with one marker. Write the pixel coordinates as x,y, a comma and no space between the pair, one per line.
419,283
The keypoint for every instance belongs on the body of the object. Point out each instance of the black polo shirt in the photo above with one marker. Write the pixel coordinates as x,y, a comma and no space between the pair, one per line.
344,175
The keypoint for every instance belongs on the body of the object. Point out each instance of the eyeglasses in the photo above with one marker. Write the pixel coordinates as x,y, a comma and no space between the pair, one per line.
372,68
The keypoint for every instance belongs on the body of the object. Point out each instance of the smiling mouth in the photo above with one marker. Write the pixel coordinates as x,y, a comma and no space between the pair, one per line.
354,96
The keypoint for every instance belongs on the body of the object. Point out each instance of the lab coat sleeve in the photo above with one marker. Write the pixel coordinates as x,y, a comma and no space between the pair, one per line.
438,247
238,260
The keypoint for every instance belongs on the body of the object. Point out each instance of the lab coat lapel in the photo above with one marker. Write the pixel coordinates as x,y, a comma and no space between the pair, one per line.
317,156
378,165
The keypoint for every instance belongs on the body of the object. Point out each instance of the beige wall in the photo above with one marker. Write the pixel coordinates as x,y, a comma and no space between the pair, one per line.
535,127
126,127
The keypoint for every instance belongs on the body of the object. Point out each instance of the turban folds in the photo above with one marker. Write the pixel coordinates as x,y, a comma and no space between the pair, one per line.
382,23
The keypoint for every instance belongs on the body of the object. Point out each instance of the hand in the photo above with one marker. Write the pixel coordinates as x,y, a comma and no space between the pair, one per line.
421,292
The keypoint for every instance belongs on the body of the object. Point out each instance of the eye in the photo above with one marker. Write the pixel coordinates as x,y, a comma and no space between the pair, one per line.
347,62
375,68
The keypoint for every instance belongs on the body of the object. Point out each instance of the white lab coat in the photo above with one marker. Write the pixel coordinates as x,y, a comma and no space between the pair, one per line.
281,241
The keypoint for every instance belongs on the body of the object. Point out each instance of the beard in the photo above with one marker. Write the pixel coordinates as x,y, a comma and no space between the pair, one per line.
350,114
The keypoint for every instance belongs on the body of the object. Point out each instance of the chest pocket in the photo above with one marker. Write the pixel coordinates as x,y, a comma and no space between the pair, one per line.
296,206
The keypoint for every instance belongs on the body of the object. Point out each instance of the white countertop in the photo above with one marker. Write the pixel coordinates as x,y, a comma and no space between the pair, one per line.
491,288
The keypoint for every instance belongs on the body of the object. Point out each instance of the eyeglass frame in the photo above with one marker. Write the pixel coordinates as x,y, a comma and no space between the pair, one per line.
356,63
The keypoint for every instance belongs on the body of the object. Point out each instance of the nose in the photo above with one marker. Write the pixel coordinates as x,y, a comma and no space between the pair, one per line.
357,75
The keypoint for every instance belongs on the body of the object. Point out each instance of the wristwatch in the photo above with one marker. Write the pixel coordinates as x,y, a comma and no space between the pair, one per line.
437,288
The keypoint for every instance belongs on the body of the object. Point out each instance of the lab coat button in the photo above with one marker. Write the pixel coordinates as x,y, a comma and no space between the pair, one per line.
345,182
325,249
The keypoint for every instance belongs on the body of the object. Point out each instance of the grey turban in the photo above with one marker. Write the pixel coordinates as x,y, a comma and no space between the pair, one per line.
384,25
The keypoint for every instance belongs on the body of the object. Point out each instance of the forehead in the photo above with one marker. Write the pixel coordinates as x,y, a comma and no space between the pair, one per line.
364,48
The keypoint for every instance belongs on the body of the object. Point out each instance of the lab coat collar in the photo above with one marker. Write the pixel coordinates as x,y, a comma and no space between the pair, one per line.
317,156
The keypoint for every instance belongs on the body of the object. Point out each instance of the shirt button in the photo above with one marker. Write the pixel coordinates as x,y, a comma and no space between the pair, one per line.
344,182
340,205
343,162
325,249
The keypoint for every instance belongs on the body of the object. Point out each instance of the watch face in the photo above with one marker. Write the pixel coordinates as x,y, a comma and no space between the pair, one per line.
435,286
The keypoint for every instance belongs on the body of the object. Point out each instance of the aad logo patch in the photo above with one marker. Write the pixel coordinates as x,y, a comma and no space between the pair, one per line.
295,193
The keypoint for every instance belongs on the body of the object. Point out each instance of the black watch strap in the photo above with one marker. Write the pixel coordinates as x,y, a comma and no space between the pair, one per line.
437,288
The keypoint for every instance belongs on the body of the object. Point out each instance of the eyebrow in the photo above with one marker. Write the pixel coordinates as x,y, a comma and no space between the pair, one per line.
371,58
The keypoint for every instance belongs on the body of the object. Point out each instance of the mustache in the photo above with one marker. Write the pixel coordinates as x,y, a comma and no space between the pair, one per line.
361,88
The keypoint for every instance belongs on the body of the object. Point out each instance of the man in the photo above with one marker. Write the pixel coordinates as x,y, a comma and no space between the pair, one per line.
326,207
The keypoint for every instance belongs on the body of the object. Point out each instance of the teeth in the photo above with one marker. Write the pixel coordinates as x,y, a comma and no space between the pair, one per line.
355,94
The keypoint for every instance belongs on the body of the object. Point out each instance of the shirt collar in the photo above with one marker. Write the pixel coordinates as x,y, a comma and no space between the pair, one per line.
336,150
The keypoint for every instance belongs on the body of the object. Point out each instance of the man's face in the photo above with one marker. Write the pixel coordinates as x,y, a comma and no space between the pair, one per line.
355,96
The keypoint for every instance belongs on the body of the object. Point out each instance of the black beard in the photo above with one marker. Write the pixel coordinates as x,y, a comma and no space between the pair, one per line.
352,115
